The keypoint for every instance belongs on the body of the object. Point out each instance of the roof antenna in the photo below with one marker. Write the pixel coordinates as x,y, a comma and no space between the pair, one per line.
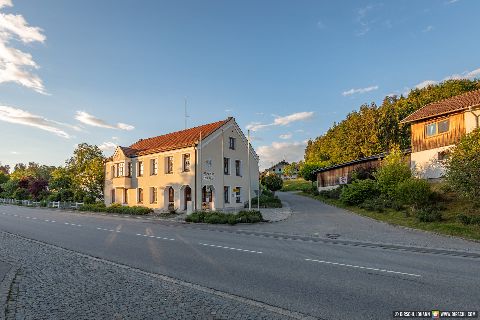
186,114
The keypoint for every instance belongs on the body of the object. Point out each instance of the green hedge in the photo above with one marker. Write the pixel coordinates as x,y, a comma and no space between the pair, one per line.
116,208
215,217
266,201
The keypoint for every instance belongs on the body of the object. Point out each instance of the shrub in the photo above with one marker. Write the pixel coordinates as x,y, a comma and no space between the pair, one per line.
376,204
463,167
216,217
429,214
359,191
266,202
115,208
332,193
414,192
464,219
273,182
392,172
475,220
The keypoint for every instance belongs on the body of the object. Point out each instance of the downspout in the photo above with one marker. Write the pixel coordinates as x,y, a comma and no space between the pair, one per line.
195,183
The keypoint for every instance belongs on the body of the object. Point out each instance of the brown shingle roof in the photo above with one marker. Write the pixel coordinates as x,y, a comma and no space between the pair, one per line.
174,140
450,105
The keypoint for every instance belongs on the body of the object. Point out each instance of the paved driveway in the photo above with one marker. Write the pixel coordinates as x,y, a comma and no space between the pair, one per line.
314,218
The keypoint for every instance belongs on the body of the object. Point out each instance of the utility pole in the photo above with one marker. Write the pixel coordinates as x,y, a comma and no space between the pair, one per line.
249,175
186,114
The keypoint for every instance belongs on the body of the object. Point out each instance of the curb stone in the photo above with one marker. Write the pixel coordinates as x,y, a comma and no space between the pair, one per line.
5,286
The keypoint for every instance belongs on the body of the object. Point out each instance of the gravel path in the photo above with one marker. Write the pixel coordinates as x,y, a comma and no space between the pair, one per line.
55,283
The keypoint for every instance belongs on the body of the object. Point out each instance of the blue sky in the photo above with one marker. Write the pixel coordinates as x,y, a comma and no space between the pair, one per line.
111,72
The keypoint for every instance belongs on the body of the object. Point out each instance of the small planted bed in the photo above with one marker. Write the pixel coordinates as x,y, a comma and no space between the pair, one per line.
216,217
115,208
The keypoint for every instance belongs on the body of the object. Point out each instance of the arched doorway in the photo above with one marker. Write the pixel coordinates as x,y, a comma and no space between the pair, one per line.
169,198
187,196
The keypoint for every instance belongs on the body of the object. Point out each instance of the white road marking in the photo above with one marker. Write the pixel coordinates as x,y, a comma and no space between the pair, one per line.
149,236
366,268
229,248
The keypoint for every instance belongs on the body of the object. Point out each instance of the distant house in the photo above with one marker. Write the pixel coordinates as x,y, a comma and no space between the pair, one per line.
279,170
198,168
437,127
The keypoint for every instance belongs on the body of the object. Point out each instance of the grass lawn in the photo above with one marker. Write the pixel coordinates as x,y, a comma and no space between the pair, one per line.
296,185
448,226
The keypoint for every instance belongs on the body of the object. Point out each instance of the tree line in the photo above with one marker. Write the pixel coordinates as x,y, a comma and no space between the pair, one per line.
81,179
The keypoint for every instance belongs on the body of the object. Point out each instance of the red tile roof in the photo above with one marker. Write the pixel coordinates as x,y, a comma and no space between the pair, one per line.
174,140
446,106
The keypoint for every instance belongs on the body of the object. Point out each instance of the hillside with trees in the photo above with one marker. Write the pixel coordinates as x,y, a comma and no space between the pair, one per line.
374,129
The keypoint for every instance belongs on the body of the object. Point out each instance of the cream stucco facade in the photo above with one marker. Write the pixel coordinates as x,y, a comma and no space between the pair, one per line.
170,182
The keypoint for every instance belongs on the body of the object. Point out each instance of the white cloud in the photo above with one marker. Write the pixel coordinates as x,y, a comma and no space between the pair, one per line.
16,65
93,121
464,75
285,136
428,29
362,20
277,151
19,116
108,146
359,90
425,84
281,121
451,1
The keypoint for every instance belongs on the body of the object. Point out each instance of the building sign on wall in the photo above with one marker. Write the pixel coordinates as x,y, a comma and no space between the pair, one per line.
343,180
208,176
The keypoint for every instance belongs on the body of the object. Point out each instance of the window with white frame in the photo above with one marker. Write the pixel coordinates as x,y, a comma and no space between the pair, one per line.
153,195
238,195
231,143
169,165
154,166
226,194
186,162
140,195
129,169
238,168
140,168
226,166
121,169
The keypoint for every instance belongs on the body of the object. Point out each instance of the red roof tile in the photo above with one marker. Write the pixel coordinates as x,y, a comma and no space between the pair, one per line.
446,106
174,140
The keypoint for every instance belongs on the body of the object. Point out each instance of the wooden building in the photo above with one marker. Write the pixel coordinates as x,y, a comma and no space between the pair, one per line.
333,176
437,127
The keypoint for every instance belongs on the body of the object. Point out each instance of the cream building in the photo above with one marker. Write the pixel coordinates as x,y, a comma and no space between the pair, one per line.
205,167
439,126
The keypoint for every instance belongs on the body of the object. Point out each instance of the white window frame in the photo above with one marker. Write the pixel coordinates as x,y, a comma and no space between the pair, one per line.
186,168
231,145
141,168
228,172
240,167
153,191
121,169
227,199
238,195
138,195
153,167
169,170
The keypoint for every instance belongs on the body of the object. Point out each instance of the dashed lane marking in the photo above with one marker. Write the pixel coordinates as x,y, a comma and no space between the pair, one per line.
156,237
229,248
365,268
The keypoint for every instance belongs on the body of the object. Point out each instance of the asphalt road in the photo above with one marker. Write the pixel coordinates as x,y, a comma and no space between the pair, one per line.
320,279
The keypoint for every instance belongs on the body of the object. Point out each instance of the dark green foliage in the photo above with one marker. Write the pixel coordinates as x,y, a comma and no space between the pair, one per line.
359,191
266,201
463,170
273,182
308,171
216,217
378,204
428,214
392,172
116,208
464,219
415,193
